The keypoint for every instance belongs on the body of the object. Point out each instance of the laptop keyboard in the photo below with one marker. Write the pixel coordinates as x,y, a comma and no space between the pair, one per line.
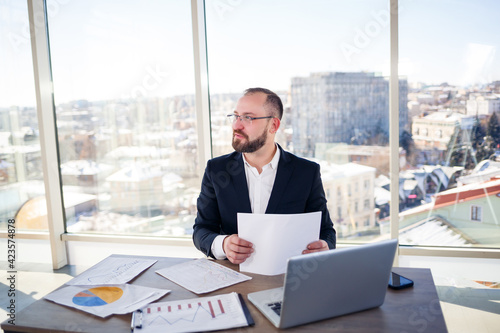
276,307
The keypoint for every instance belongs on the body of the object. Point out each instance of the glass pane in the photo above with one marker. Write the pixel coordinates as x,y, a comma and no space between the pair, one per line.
449,180
329,62
22,193
124,93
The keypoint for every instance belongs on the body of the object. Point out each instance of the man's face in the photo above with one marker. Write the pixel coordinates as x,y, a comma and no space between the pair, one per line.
248,138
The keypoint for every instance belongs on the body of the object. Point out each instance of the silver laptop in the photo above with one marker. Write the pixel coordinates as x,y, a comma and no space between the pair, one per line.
329,284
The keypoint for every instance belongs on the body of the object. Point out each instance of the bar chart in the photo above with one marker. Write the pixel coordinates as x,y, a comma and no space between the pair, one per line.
206,313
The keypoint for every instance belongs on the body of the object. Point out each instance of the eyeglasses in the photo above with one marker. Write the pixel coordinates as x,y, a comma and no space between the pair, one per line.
247,120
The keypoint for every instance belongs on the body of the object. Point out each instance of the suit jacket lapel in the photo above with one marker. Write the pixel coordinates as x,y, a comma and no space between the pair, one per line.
283,175
241,187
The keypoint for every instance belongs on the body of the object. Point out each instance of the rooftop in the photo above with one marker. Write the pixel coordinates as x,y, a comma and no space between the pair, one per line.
433,231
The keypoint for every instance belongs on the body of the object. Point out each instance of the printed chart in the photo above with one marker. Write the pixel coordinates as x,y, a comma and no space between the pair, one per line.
98,296
112,270
190,312
206,313
106,300
202,275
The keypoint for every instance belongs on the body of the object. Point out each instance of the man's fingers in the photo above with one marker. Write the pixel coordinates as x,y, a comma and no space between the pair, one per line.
319,245
236,261
240,249
239,245
237,258
315,245
240,241
237,249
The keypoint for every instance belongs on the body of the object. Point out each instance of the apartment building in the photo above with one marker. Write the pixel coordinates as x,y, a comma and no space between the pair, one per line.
336,107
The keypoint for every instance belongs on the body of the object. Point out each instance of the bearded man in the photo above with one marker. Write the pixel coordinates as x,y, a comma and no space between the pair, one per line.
258,177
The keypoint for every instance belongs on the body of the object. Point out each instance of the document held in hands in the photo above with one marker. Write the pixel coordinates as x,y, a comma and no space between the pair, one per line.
276,237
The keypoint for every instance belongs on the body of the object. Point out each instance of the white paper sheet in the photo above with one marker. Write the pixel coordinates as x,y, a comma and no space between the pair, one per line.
202,275
193,315
106,300
112,270
276,237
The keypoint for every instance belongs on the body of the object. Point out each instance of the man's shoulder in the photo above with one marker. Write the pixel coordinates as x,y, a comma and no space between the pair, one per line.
297,160
231,156
224,161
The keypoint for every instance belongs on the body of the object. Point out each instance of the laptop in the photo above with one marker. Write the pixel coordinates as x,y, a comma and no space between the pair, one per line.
329,284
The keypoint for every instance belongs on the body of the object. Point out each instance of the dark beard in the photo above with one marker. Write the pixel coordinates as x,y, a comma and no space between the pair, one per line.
250,146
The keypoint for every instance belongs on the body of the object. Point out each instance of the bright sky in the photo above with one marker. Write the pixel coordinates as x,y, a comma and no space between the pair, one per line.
101,50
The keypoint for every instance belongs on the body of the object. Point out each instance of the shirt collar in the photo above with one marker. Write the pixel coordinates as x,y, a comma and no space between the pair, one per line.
274,162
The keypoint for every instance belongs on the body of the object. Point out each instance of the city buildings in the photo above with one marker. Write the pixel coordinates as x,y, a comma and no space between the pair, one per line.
128,85
479,104
432,134
349,191
471,211
341,107
152,175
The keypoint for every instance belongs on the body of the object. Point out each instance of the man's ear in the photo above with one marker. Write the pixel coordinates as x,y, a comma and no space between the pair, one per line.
275,125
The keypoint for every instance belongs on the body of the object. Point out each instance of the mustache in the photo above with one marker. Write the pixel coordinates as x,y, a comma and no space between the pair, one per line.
240,133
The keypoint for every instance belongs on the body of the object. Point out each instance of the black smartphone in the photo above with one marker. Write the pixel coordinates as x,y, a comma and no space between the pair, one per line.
397,281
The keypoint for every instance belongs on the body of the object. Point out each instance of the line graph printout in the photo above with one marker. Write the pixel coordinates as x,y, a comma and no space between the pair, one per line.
202,275
112,270
193,315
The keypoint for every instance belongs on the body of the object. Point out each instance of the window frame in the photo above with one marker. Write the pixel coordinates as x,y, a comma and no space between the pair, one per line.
45,110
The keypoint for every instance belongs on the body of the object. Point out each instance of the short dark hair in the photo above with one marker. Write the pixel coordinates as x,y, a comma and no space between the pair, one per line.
273,101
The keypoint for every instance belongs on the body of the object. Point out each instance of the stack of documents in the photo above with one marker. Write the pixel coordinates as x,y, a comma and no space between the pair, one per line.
102,290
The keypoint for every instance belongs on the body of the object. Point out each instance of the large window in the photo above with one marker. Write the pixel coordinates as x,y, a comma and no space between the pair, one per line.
329,62
125,113
22,194
127,132
450,167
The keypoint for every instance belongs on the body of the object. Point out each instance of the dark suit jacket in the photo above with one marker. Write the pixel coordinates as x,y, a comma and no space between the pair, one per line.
224,193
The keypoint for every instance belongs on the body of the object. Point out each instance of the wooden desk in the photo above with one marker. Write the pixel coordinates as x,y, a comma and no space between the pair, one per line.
409,310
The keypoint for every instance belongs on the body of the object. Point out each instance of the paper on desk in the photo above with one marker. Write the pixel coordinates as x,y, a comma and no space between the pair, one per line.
276,237
112,270
106,300
201,314
202,275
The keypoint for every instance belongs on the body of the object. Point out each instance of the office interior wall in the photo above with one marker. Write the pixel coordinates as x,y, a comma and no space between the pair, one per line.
27,251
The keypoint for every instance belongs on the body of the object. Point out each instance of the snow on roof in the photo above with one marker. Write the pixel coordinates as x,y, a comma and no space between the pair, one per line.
445,116
335,171
382,196
433,231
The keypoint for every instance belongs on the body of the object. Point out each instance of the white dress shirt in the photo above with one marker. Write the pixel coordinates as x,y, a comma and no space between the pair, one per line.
260,186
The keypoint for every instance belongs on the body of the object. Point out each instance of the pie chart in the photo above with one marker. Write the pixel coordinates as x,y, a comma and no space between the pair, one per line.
98,296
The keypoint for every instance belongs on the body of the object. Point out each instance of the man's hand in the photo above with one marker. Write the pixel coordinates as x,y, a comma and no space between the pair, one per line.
237,249
317,246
